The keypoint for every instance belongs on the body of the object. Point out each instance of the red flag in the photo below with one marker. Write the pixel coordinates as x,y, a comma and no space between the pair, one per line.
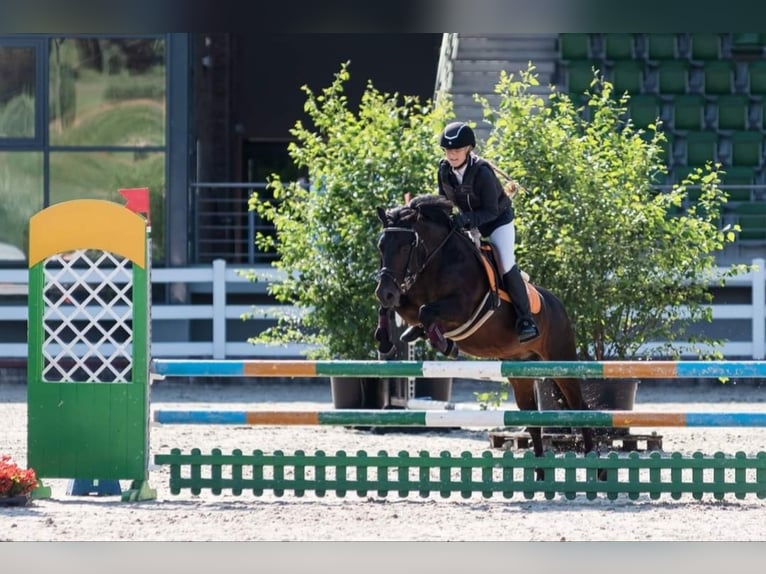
137,200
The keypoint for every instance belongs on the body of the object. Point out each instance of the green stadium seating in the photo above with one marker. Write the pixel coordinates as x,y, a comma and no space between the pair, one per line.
705,46
574,46
756,72
739,39
628,76
580,75
758,115
618,47
701,147
747,44
752,219
661,47
746,148
644,109
738,176
667,149
719,77
681,171
732,112
688,112
673,77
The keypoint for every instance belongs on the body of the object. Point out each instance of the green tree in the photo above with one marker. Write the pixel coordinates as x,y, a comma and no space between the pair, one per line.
357,160
632,264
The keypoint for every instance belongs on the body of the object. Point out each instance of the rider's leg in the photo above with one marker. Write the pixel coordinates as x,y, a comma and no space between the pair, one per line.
503,238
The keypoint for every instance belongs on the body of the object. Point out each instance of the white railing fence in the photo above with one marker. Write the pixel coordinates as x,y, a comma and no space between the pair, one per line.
211,326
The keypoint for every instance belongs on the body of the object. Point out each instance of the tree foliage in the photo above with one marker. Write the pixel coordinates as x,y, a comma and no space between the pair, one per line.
632,264
357,160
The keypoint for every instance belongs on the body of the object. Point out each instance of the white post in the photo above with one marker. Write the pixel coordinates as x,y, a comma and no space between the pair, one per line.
759,308
219,309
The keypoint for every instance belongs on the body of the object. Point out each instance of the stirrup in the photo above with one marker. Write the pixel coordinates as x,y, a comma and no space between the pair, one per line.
526,330
413,333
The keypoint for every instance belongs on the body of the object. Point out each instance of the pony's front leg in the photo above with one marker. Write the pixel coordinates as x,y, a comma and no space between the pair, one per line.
433,317
438,341
386,347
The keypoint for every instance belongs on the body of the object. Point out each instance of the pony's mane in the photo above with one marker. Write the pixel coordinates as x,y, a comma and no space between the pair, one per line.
429,206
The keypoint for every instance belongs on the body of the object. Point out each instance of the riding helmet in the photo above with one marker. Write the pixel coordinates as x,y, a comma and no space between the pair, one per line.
457,135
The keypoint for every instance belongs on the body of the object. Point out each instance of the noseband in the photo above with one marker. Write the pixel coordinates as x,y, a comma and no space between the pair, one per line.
408,276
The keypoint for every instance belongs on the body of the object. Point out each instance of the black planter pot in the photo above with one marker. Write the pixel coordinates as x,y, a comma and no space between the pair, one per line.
19,500
369,393
601,395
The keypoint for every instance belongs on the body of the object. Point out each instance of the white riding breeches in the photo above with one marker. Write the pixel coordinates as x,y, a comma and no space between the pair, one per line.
504,240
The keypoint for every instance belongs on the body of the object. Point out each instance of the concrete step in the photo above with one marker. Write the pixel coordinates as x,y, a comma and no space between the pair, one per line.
535,56
512,41
514,65
485,82
534,48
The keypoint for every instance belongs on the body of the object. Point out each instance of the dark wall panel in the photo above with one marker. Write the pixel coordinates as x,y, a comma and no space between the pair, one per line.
270,70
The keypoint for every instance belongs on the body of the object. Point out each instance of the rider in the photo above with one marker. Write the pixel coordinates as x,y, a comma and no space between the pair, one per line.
471,183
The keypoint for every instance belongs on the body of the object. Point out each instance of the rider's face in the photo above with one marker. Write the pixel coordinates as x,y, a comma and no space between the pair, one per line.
457,157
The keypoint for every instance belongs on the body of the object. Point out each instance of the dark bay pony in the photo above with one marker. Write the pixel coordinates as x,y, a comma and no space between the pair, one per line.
431,274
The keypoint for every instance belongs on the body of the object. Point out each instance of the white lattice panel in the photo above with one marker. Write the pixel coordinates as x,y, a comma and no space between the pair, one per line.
87,318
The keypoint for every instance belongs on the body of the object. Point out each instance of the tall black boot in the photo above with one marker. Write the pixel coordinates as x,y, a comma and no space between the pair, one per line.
525,324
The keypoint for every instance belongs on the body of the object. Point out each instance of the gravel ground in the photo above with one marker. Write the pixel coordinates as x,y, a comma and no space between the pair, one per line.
225,517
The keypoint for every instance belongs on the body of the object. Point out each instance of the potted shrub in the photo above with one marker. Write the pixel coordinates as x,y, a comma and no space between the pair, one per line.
631,262
356,160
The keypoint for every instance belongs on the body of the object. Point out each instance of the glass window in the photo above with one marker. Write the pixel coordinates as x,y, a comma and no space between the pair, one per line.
21,196
107,91
99,175
17,91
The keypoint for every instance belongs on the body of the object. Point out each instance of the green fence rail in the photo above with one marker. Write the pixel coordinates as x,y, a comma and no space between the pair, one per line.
467,474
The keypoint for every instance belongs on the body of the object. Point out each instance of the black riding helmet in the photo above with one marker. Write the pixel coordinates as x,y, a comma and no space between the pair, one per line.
457,135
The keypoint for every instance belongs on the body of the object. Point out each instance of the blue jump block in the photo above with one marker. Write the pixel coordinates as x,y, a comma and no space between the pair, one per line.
88,486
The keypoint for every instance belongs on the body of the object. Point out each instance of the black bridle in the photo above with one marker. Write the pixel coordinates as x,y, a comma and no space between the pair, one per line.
408,276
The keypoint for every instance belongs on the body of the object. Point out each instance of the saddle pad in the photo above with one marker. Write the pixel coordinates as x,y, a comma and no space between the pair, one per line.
491,266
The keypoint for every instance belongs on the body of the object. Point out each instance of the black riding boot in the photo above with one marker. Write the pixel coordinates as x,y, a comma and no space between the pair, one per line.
525,324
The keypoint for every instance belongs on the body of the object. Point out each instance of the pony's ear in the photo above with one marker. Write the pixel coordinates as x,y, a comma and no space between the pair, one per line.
382,216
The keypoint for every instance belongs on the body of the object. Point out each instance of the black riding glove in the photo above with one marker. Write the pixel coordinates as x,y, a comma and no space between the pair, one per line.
462,220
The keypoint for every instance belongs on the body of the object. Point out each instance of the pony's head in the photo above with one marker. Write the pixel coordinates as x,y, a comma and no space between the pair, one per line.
408,231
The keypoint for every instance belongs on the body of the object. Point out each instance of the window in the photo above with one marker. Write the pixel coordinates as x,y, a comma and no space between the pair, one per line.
80,117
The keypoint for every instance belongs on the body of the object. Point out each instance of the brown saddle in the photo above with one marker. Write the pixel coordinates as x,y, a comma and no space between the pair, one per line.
488,257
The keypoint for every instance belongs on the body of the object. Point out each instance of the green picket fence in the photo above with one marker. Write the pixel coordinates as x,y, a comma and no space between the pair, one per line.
487,474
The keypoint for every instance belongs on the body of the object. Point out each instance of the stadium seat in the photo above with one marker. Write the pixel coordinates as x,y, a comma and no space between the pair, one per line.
673,77
574,46
742,178
580,75
746,148
752,220
732,112
661,47
701,147
747,44
618,47
719,77
705,46
756,72
688,112
628,76
644,109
